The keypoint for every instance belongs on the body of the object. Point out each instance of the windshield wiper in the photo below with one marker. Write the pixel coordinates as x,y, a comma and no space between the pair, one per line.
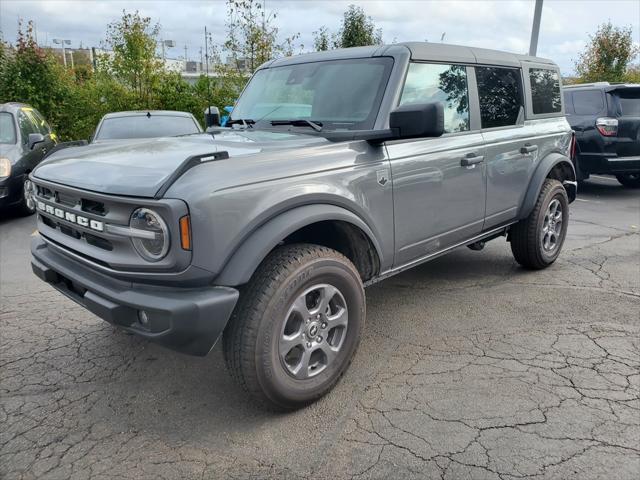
246,122
300,122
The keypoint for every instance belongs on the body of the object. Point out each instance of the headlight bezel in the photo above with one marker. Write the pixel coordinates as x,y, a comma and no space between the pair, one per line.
139,244
5,167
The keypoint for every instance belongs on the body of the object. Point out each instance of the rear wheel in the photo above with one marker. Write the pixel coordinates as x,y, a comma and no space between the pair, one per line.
629,180
296,327
537,240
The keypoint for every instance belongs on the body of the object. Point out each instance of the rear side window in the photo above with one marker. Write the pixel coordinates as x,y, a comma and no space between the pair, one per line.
629,102
427,82
545,91
588,102
500,91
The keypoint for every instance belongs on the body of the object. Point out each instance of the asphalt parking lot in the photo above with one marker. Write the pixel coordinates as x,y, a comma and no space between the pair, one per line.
470,368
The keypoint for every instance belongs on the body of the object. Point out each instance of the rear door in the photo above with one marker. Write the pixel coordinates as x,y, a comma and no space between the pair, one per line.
438,198
501,99
624,103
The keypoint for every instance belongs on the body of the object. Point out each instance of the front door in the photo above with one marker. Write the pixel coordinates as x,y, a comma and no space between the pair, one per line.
438,183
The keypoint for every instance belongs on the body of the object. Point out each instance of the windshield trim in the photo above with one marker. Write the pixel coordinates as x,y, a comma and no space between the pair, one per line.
264,123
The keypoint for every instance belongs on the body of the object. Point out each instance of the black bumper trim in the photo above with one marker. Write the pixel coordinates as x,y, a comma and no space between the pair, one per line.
189,320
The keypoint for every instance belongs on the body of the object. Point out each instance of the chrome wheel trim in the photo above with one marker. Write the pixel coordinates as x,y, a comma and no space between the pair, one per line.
314,331
28,188
551,226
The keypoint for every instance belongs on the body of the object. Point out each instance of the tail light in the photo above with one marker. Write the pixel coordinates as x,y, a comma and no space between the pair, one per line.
608,127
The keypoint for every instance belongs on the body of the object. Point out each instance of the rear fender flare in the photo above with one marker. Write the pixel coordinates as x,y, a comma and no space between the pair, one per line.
246,258
541,173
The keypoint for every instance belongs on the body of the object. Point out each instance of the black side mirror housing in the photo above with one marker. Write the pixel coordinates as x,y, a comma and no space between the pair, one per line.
211,117
34,139
416,120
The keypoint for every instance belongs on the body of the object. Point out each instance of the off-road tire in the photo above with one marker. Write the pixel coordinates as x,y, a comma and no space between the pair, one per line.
629,180
525,236
250,341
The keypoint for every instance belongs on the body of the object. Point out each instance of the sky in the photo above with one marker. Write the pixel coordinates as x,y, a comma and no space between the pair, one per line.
498,24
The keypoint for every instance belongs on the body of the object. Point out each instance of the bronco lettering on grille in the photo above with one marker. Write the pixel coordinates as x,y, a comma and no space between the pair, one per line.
71,217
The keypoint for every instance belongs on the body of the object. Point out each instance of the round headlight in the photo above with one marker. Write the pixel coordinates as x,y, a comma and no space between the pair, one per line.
154,244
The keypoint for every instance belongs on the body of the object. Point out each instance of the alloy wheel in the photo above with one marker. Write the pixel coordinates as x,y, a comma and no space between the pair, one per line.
314,331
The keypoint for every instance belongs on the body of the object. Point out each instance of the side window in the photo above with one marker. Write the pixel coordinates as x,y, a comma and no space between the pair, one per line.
41,124
26,126
588,102
500,92
545,91
427,82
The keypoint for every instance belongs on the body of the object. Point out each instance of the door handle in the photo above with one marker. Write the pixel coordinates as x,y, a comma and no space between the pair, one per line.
528,148
471,159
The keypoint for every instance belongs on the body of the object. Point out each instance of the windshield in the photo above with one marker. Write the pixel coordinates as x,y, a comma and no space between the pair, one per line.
629,100
143,126
339,94
7,128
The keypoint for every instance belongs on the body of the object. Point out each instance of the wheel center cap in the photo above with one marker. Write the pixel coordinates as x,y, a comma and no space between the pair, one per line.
312,330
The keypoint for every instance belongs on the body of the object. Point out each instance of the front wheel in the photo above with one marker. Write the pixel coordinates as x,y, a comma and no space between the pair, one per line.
629,180
27,205
296,327
536,241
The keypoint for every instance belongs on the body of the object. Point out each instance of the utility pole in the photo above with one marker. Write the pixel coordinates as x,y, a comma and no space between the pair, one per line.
535,29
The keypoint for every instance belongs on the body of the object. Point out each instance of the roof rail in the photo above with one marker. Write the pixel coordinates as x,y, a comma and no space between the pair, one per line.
593,84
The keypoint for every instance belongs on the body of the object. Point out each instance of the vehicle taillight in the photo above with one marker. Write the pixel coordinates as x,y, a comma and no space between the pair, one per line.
607,127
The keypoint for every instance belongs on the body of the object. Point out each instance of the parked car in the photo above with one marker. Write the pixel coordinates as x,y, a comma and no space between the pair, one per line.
339,169
606,119
145,124
25,138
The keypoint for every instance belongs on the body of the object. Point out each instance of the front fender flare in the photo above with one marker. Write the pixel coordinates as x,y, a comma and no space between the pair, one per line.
246,258
541,173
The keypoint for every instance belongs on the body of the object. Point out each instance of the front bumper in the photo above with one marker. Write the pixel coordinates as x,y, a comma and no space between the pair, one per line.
11,191
189,320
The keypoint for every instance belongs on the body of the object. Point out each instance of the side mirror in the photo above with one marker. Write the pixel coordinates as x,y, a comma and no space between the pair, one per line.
211,117
416,120
34,139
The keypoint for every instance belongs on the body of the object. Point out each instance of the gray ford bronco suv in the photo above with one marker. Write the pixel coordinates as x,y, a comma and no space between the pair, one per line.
337,170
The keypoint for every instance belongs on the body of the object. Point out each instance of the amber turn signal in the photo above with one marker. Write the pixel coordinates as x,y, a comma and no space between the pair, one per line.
185,233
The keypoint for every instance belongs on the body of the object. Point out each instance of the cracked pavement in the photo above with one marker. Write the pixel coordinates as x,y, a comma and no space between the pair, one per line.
470,368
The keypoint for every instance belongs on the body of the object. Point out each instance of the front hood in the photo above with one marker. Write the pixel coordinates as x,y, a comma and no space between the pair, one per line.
141,167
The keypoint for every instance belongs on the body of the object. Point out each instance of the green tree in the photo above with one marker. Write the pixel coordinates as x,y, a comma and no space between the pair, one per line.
252,35
358,29
133,61
607,55
321,39
32,75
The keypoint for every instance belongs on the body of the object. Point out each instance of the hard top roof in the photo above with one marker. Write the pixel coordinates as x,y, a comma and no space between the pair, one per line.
424,51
